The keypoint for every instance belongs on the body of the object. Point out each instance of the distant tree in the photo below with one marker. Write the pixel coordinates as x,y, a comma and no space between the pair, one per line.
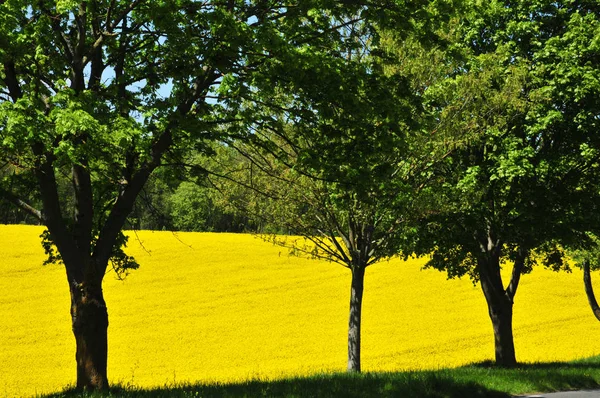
240,189
525,183
152,210
354,221
197,208
195,203
105,92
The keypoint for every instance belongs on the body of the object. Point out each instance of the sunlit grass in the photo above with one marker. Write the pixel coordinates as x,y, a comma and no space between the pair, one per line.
225,307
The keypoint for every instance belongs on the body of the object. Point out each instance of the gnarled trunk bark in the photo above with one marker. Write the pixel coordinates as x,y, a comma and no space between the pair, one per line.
89,318
589,289
356,295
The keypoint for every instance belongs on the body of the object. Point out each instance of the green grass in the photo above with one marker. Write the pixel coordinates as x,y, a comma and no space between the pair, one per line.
477,380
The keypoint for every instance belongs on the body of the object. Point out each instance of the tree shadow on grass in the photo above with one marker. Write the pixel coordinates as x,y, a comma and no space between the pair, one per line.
406,385
536,377
587,363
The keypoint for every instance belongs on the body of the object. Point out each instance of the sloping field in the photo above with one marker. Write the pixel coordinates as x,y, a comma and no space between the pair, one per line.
225,307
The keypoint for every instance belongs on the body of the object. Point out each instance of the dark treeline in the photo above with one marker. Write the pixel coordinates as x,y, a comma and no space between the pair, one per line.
165,203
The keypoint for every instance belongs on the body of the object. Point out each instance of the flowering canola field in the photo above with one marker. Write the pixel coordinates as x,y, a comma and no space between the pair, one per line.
227,307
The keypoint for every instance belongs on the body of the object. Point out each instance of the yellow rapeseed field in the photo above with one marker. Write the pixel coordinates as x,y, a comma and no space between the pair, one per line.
223,307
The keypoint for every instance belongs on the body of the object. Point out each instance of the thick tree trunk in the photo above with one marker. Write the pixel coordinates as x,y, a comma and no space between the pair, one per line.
589,290
501,316
500,309
356,295
90,326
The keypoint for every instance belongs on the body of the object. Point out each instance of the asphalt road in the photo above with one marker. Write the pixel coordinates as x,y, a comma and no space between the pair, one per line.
567,394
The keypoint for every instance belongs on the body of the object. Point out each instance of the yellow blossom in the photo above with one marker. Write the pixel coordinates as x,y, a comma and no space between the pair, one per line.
229,307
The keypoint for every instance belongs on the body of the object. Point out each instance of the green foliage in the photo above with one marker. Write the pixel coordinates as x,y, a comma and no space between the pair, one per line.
333,153
589,253
120,262
109,91
52,256
197,208
525,100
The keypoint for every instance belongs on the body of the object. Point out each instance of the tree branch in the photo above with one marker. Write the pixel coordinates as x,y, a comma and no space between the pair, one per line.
110,28
21,204
62,38
516,275
52,214
11,81
84,208
589,290
123,204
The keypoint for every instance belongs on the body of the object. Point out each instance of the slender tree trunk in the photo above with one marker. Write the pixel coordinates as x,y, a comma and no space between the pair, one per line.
89,318
589,289
500,309
356,295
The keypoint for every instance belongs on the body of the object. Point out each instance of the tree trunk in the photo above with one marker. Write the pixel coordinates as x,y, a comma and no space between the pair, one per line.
500,309
356,294
89,318
589,290
501,316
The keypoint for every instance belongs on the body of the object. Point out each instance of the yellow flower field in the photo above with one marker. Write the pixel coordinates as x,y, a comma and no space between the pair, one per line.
223,307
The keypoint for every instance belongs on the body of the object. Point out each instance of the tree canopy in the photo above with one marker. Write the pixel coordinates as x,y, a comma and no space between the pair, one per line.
525,183
102,93
467,132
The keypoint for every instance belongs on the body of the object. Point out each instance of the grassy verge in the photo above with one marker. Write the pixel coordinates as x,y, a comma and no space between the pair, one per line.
477,380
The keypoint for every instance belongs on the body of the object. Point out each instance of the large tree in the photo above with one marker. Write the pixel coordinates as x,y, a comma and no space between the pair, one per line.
524,180
102,93
334,157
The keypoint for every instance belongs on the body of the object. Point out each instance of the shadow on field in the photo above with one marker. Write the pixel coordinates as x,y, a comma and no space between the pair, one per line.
537,377
477,380
413,384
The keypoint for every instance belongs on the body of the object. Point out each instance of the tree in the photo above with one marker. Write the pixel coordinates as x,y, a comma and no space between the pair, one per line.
105,92
151,210
588,259
589,289
334,156
519,188
350,221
